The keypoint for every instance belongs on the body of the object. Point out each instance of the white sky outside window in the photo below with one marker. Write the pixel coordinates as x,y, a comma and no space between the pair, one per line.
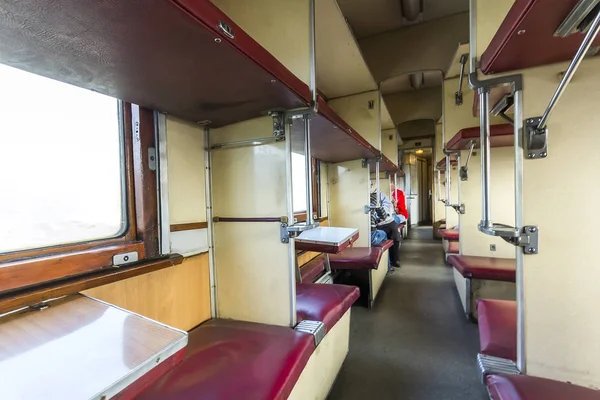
60,163
298,182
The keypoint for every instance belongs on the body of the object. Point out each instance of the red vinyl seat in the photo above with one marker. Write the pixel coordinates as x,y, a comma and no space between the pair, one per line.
312,269
236,360
385,245
498,328
449,234
495,269
356,258
453,248
523,387
325,303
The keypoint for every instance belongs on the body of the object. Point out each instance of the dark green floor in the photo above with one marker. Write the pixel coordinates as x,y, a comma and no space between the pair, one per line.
415,343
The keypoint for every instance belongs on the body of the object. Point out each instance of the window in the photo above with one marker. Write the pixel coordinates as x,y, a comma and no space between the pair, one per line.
299,182
62,162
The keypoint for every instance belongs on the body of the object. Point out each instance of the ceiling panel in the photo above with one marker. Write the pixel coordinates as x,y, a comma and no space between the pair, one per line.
401,83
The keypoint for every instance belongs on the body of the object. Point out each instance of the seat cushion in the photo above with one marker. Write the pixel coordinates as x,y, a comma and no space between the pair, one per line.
498,328
312,269
495,269
356,258
385,245
453,248
233,360
325,303
450,234
523,387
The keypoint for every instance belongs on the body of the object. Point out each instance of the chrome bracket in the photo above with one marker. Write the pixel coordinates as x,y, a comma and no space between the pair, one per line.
152,158
489,365
124,258
278,124
526,238
314,328
464,173
226,29
459,208
291,231
537,139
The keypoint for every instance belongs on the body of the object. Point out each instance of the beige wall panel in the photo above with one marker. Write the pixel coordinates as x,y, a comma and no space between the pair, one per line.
418,104
252,273
248,181
324,364
386,118
561,337
178,296
452,217
428,46
560,283
355,111
185,147
389,141
378,275
251,263
473,242
275,25
341,69
349,190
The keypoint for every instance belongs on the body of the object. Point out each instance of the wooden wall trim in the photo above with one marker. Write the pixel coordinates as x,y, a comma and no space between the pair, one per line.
189,226
22,298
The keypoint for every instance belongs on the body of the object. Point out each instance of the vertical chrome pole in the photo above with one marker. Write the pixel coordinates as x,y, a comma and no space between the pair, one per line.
377,183
439,185
519,256
312,43
329,217
162,186
473,36
448,180
212,265
308,169
290,216
458,183
484,106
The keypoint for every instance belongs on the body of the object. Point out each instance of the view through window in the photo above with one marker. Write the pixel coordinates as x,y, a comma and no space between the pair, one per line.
62,173
299,182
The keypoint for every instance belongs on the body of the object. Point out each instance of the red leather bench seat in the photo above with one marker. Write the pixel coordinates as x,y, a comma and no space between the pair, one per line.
450,234
495,269
236,360
385,245
356,258
523,387
325,303
498,328
312,269
453,248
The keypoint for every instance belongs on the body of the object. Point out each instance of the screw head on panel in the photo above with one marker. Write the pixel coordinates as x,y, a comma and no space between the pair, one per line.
217,40
521,32
531,155
532,230
543,154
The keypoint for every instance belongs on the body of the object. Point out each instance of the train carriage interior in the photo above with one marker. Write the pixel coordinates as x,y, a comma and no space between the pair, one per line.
299,199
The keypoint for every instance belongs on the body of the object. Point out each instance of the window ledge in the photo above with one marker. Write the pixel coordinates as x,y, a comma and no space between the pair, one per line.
34,295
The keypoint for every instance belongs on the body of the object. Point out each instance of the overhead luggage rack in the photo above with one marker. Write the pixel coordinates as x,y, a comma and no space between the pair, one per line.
528,36
194,63
441,165
500,136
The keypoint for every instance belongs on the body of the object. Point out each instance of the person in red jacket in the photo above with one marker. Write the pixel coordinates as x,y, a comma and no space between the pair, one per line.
399,203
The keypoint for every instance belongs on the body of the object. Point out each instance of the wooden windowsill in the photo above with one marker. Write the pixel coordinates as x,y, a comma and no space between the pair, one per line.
34,295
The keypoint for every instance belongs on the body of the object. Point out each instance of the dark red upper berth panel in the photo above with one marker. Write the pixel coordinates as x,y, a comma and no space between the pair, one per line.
500,136
160,56
526,37
441,165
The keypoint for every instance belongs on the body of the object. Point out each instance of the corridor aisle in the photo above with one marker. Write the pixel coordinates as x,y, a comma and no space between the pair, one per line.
415,344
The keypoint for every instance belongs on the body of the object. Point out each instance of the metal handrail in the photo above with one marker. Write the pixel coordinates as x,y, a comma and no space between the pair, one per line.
458,96
581,52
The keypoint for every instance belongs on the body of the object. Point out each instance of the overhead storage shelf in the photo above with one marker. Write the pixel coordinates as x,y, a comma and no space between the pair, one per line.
332,139
172,57
500,136
526,38
441,165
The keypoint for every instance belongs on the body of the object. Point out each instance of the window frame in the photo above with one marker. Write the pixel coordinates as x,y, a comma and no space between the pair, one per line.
31,267
316,193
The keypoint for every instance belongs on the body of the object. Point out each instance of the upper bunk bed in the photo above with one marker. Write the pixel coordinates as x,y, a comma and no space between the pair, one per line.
441,165
181,57
530,36
501,135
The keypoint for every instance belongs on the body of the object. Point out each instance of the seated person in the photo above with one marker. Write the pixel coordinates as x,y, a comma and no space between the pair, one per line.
399,201
382,219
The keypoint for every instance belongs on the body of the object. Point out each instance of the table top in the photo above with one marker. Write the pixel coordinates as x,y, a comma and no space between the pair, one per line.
79,348
327,235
